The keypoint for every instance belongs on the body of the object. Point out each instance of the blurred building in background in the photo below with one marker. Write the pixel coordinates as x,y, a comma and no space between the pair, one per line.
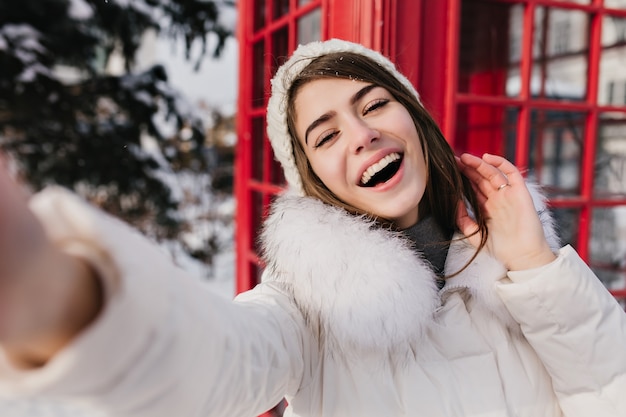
542,82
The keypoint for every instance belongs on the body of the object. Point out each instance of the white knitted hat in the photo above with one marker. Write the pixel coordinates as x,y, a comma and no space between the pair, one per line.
277,129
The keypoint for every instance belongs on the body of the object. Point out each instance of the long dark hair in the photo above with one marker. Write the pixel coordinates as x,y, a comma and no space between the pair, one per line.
446,187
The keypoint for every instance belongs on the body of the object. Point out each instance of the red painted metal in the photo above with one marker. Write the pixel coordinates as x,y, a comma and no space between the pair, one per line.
523,128
433,58
242,156
340,23
595,6
368,22
591,130
407,38
452,69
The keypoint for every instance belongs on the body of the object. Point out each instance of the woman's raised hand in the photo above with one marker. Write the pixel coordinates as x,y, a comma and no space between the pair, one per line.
46,296
516,235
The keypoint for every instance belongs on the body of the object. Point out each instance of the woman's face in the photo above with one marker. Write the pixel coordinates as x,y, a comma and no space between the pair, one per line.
363,145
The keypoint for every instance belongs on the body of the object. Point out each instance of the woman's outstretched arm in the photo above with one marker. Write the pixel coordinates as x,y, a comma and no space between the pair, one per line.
130,333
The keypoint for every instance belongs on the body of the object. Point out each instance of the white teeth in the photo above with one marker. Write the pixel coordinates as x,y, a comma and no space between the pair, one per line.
378,166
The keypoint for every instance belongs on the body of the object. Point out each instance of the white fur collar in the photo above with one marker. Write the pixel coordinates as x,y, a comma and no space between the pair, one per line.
362,288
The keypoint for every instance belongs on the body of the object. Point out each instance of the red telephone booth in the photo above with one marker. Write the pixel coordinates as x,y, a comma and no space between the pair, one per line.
542,82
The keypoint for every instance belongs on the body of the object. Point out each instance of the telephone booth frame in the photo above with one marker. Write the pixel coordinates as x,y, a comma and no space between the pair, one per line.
486,99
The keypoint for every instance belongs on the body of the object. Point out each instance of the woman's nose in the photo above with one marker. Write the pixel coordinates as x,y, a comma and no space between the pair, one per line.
362,136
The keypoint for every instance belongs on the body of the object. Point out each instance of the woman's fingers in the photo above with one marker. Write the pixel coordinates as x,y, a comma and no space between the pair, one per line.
516,235
490,173
474,178
506,167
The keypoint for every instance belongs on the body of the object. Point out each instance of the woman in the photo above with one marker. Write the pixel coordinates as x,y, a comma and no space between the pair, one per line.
400,281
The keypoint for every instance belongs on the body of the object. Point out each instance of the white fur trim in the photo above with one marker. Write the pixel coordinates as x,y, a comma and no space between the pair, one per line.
360,288
277,130
363,288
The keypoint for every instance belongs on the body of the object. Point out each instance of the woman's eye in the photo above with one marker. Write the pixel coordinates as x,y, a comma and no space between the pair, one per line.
376,104
325,138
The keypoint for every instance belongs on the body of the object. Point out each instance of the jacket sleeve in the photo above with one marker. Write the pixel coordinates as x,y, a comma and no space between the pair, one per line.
578,330
164,345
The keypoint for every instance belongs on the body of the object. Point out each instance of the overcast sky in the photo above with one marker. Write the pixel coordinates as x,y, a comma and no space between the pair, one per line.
215,82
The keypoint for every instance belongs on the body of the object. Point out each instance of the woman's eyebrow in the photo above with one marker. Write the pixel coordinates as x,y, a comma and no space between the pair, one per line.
363,91
327,116
323,118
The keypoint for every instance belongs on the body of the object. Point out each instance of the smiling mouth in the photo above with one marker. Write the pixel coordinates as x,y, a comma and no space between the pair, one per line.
382,171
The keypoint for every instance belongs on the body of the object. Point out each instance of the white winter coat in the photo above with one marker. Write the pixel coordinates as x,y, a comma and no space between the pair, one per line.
348,322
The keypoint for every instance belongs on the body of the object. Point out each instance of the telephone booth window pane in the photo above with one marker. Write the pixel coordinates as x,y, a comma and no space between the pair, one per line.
490,48
615,4
258,137
259,14
556,149
280,45
309,27
610,164
482,128
560,58
258,75
281,8
303,2
607,246
612,88
513,78
567,223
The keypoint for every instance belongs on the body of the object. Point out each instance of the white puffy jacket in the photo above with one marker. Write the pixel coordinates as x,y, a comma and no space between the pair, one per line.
348,322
